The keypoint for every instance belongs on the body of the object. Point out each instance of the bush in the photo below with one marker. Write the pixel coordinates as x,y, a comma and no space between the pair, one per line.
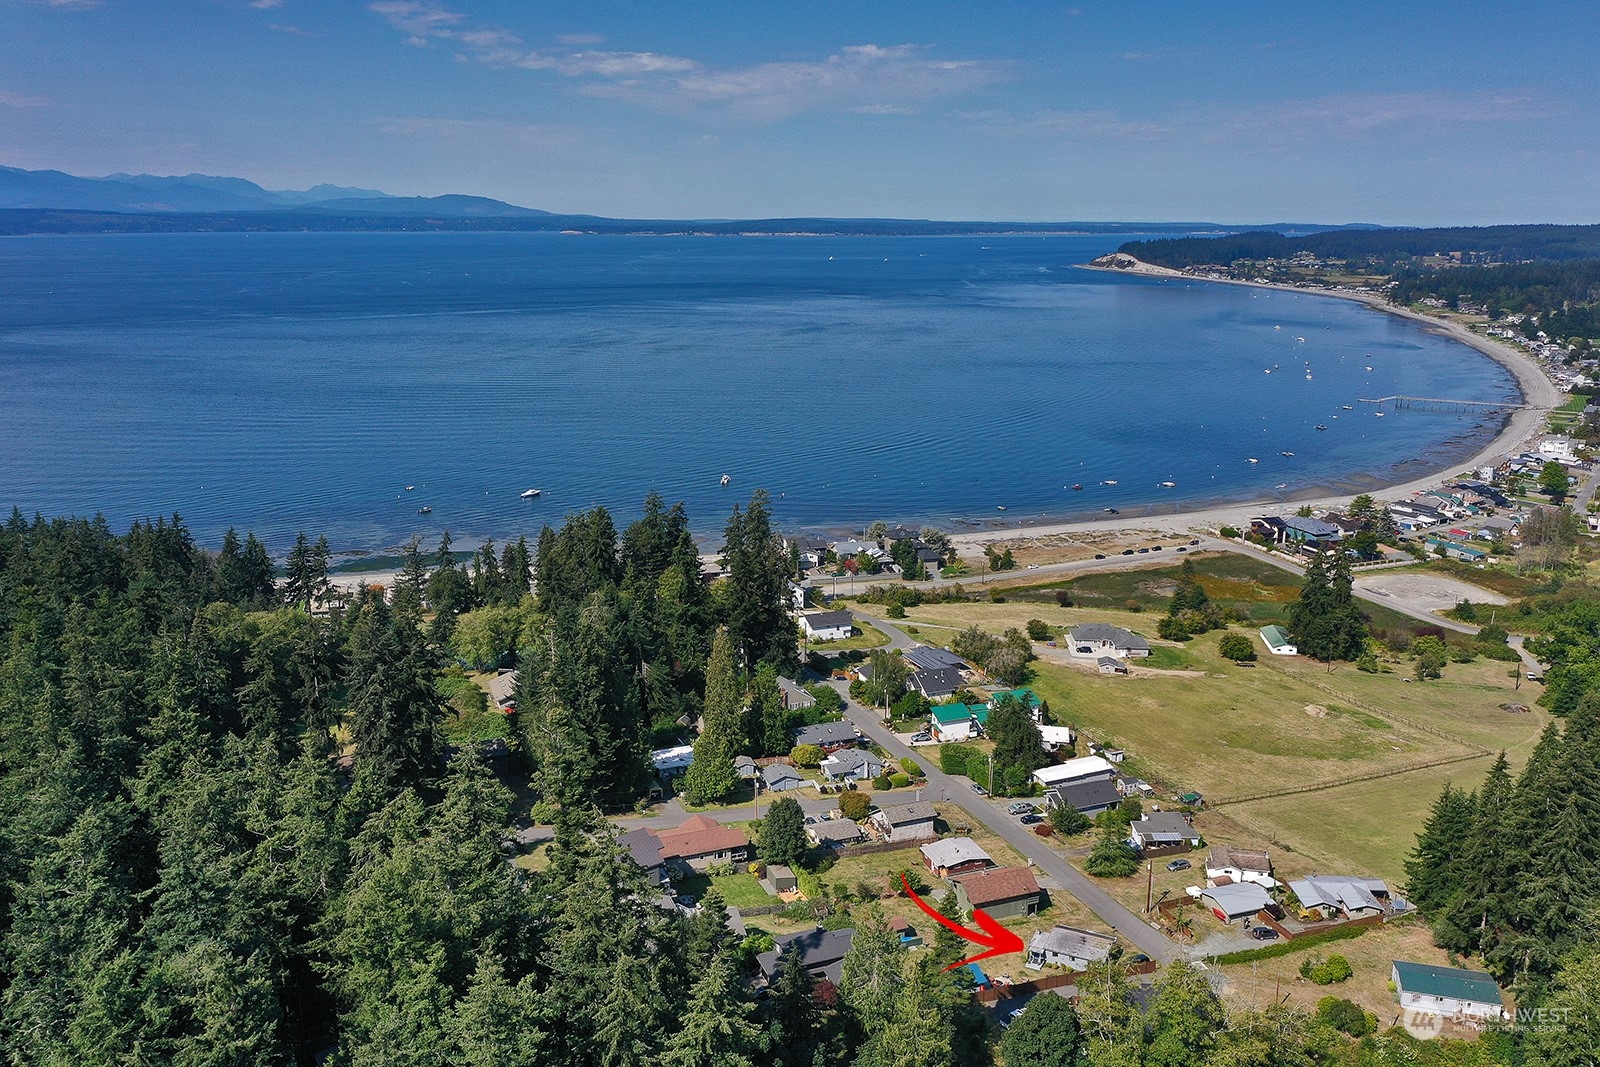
1237,647
1229,531
1133,605
807,756
854,806
1063,599
881,782
911,767
829,702
1171,628
899,781
953,758
1346,1015
1039,630
1069,822
1326,971
1112,856
894,611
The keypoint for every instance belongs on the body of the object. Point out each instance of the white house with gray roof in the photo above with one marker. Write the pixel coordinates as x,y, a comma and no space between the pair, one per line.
1068,946
1335,895
1091,640
1165,830
827,625
852,764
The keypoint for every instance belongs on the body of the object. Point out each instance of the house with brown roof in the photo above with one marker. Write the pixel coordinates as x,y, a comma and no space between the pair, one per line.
701,842
1239,865
1004,893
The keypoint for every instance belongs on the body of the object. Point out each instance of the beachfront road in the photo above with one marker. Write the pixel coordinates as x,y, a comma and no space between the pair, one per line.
991,814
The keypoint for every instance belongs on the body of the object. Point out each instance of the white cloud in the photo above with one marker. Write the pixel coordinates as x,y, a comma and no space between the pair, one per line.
883,109
476,131
578,40
1048,124
21,100
265,5
293,31
876,78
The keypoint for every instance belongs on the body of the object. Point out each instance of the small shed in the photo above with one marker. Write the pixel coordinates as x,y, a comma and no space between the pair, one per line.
779,879
1277,639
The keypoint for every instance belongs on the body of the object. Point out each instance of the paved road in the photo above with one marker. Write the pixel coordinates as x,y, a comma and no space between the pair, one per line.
1045,859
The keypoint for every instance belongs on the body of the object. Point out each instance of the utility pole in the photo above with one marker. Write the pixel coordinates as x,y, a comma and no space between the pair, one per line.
1150,886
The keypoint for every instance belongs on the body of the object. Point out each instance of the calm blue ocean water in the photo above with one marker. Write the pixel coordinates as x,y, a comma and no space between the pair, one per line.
301,381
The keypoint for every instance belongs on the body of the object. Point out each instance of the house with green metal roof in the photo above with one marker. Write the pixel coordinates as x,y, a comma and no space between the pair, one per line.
1446,991
958,722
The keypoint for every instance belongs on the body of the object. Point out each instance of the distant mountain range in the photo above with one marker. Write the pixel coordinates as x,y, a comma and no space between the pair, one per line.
52,201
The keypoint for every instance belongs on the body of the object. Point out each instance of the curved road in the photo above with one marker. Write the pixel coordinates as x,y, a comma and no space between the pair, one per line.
1045,859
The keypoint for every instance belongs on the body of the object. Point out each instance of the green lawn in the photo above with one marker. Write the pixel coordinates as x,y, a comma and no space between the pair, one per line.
742,890
866,636
1234,731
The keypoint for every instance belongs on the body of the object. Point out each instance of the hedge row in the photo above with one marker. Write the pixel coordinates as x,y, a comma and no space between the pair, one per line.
1283,948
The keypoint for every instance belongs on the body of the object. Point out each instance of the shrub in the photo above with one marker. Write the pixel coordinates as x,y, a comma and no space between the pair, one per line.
854,805
911,767
1172,628
1133,605
1069,822
1039,630
1112,856
807,756
1326,971
953,758
1229,531
1237,647
829,702
881,782
1346,1015
899,781
894,611
1063,599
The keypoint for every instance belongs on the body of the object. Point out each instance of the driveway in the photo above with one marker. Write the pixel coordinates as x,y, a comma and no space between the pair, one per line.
1044,859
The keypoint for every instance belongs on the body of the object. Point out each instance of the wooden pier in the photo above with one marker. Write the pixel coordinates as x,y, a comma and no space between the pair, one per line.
1435,403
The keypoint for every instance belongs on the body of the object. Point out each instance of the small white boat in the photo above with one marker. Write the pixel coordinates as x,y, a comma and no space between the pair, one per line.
1300,339
409,488
1281,485
1308,376
529,494
1169,485
1378,413
1347,407
725,478
424,511
1252,459
1267,371
1285,453
1369,368
999,507
1277,327
1109,481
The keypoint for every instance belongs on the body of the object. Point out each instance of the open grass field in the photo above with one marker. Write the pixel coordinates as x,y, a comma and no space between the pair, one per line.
1234,732
1256,984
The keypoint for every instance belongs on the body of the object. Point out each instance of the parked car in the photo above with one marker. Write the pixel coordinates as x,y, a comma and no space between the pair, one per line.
1138,957
1032,819
1194,541
1180,548
1264,933
1155,548
980,790
1019,808
1142,551
1179,865
1099,555
1127,552
923,736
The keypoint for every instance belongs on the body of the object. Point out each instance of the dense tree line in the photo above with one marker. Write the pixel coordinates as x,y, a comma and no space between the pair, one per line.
1386,248
232,831
1562,297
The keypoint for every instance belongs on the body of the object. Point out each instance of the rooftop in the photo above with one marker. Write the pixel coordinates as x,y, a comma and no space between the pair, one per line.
905,814
954,851
1242,859
1000,884
1071,941
1452,982
699,835
928,657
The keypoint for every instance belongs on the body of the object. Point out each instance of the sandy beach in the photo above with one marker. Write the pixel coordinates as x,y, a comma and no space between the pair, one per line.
1539,394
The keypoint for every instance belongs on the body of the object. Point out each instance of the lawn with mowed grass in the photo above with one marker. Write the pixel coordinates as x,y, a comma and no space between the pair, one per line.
1370,956
865,637
1234,732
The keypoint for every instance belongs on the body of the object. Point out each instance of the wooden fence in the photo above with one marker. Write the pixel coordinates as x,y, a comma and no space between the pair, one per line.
995,994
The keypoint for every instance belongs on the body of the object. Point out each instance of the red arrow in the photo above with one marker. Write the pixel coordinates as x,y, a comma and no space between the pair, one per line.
996,938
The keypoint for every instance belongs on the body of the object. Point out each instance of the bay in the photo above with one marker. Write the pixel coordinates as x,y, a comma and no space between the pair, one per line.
286,382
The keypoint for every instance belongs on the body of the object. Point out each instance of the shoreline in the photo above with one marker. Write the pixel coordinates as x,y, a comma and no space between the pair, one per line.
1539,397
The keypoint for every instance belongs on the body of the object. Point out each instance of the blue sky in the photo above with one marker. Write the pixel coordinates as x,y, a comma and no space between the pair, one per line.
1398,112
